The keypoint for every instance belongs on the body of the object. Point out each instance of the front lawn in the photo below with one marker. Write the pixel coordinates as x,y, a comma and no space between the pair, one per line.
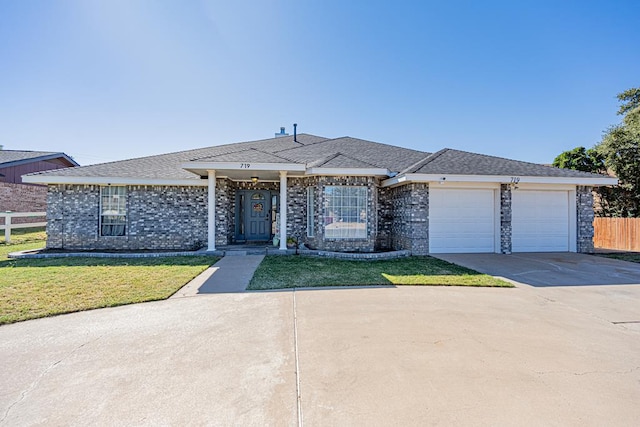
278,272
32,288
24,235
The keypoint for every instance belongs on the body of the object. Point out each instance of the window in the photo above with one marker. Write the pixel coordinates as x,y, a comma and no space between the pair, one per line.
113,211
275,218
345,212
311,211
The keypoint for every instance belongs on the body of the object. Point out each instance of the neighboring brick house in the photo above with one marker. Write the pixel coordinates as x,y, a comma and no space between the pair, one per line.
14,194
342,194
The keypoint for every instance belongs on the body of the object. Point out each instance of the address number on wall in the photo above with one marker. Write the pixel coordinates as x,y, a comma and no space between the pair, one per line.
245,165
515,179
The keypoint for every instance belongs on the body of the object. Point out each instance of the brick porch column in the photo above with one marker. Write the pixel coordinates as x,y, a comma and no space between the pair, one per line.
211,214
283,210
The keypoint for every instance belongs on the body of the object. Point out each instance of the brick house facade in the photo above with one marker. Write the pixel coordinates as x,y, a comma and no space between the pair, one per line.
343,195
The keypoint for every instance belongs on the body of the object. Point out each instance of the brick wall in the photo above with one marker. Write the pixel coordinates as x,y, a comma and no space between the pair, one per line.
584,217
72,216
166,217
409,209
22,198
158,218
505,219
298,203
384,239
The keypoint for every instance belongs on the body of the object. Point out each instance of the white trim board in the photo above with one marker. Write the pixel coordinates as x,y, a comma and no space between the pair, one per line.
99,180
243,166
446,178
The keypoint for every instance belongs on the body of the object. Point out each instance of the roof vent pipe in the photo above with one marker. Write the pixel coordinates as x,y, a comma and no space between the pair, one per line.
295,132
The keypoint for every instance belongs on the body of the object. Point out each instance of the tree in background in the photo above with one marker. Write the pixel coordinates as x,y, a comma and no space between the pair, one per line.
620,148
619,151
581,159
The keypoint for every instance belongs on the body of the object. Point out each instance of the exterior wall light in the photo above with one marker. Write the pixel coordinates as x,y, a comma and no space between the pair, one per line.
254,179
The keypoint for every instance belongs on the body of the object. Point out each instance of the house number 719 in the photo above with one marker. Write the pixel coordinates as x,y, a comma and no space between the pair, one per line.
515,179
245,165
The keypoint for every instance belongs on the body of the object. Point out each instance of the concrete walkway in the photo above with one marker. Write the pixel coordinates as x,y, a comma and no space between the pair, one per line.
231,274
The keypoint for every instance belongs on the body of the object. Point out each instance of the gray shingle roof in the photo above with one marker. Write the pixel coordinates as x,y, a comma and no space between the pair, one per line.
341,152
339,160
456,162
316,151
373,153
13,156
250,155
168,166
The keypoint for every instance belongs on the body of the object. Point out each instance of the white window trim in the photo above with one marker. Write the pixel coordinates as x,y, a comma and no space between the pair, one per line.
311,212
366,209
100,213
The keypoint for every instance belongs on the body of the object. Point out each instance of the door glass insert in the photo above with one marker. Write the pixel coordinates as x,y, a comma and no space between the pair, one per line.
257,196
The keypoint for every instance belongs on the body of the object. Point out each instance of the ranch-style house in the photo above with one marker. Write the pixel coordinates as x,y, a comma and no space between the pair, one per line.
333,194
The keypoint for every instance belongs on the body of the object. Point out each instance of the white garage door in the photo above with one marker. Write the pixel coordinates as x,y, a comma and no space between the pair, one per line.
461,221
540,221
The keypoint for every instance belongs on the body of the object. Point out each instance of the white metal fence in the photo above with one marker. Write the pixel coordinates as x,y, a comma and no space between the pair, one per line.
8,226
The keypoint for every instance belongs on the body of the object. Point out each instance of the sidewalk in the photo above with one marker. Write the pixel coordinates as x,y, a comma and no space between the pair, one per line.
230,274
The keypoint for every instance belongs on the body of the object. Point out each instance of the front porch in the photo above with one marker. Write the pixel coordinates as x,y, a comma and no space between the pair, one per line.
326,209
244,197
246,211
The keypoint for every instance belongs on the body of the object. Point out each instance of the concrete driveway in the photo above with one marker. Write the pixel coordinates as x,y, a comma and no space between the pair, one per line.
368,356
598,286
551,269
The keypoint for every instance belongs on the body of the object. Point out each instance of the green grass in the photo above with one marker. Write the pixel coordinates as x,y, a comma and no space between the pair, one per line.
22,239
6,249
624,256
24,235
278,272
32,288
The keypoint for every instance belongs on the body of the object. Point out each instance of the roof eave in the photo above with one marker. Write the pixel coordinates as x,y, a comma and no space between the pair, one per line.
201,168
115,180
502,179
39,159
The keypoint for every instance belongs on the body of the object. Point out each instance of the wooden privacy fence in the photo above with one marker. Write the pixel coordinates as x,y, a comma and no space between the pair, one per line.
8,226
617,233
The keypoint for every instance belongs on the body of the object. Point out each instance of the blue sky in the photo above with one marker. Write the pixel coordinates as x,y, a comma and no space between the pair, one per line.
114,79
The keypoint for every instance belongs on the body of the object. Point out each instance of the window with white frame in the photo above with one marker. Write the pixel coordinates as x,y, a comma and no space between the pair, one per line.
345,212
311,212
113,211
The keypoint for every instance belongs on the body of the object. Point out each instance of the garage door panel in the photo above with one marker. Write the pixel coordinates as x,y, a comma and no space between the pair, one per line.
461,221
540,221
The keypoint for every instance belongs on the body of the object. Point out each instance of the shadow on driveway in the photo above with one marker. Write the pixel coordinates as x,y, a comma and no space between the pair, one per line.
551,269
